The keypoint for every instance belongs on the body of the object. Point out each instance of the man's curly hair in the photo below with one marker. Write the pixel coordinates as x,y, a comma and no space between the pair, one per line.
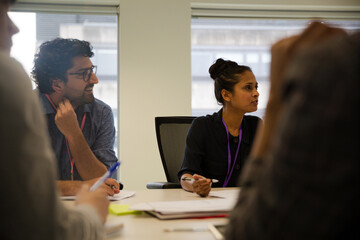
54,58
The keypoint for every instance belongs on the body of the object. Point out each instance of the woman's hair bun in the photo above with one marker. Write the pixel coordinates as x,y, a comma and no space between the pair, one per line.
217,68
220,67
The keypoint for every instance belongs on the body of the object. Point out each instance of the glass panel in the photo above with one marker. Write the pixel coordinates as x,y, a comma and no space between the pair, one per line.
99,30
246,42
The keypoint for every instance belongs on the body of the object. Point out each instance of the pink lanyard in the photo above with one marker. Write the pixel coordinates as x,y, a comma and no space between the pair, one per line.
72,161
229,173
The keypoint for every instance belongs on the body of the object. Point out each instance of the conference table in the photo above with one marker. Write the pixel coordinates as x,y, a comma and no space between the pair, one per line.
145,226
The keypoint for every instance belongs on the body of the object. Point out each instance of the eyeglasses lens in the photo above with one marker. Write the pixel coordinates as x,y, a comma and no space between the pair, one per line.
87,74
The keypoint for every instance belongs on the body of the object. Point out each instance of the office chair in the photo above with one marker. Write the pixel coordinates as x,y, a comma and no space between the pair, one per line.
171,135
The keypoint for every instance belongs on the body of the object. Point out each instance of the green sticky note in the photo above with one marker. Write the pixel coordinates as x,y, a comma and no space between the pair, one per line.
121,209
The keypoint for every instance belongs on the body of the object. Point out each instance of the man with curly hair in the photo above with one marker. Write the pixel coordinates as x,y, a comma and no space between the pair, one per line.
81,127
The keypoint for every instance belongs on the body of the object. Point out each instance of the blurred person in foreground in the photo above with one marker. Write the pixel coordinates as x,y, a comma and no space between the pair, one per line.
302,177
29,204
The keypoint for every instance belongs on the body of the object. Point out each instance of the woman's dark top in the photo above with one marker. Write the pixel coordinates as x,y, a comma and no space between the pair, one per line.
206,150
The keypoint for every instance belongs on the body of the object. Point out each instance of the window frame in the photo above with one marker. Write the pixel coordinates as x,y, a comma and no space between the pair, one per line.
283,11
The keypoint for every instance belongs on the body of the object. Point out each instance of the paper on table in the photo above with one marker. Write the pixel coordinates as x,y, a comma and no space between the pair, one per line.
206,205
122,195
233,193
218,207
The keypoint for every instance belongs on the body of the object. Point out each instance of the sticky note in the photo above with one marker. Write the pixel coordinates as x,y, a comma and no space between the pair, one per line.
121,209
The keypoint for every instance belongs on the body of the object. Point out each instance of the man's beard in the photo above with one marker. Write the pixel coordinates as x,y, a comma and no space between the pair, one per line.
83,99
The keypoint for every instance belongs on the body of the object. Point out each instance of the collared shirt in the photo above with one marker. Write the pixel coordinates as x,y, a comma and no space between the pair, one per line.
206,150
99,132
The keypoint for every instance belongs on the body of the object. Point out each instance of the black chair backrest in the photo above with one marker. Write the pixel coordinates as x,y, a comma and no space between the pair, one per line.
171,135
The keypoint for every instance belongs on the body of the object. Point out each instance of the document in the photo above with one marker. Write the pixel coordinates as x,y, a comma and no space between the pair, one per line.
220,206
122,195
233,193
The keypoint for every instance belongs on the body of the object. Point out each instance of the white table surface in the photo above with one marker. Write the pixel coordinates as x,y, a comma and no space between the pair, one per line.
145,226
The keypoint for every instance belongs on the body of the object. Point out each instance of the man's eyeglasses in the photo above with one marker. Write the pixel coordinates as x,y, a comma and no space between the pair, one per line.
86,75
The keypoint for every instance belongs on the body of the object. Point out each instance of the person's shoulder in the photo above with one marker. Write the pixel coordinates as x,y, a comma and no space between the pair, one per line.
207,119
252,121
13,79
252,118
101,103
10,66
98,105
205,124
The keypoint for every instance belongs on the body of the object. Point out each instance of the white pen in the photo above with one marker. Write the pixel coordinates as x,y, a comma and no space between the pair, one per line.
108,174
191,229
190,179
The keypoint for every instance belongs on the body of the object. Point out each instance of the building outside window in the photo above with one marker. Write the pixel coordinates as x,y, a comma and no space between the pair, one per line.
245,41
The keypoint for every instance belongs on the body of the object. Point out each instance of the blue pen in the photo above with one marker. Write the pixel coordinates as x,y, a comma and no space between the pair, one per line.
108,174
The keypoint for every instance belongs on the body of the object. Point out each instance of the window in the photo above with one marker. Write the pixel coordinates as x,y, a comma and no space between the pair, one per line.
99,30
246,42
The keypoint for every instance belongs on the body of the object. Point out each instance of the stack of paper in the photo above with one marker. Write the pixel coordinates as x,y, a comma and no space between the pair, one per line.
190,208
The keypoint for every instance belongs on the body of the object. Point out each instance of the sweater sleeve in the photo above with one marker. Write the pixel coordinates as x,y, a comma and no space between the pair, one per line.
30,203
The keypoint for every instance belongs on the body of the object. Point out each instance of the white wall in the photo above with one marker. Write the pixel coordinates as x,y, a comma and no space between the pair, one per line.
155,80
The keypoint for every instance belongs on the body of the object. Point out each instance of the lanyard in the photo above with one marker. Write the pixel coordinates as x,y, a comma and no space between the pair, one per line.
72,161
229,173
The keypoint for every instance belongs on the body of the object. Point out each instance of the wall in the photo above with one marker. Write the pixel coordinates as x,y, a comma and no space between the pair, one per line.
155,80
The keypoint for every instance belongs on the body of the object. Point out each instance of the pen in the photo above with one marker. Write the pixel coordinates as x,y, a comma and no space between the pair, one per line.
193,229
190,179
108,174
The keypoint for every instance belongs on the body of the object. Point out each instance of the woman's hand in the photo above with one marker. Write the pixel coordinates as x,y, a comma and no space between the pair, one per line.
199,184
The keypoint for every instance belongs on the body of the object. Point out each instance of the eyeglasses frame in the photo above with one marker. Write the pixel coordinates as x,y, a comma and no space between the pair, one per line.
87,71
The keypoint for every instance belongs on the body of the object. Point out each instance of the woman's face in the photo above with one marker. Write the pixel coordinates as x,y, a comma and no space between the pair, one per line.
245,95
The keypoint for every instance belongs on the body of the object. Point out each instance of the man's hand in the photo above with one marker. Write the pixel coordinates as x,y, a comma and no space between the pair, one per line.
66,119
111,186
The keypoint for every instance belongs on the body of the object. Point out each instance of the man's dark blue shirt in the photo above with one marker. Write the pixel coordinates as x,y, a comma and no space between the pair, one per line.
99,132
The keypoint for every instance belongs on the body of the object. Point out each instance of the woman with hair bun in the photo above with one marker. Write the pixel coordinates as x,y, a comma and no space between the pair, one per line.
217,145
